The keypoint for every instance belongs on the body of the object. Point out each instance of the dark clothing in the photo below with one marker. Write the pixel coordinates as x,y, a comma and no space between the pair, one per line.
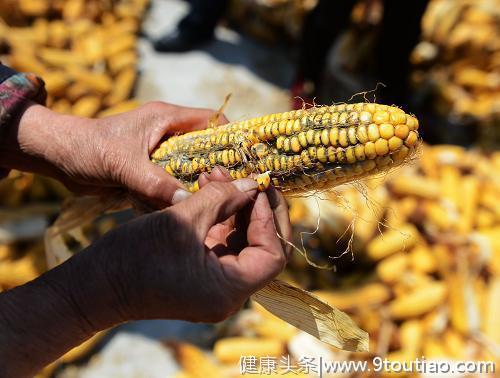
203,17
16,89
398,34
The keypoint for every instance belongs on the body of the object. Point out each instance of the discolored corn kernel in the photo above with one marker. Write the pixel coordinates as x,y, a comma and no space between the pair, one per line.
305,158
286,145
259,150
312,151
370,150
310,137
263,181
275,129
359,152
353,118
351,135
277,163
334,136
296,126
302,139
365,117
362,134
343,118
350,155
280,141
282,127
269,133
340,155
401,154
343,141
317,138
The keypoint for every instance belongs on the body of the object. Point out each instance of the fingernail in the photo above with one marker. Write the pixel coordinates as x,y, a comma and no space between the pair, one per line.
223,170
180,195
245,185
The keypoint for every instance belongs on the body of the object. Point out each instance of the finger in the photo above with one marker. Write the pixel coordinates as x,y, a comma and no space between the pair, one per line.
216,202
173,119
281,218
157,187
221,174
184,119
203,179
264,257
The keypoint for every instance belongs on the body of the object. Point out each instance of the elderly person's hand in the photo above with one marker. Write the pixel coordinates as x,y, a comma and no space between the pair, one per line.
95,156
198,260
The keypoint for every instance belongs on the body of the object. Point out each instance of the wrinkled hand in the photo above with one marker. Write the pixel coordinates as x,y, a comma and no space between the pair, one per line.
198,260
97,156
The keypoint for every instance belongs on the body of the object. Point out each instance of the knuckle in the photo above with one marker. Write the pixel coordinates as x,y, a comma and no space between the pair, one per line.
152,184
154,106
218,190
280,260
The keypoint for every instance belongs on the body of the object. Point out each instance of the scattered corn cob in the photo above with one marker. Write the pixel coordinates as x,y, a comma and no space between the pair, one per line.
297,151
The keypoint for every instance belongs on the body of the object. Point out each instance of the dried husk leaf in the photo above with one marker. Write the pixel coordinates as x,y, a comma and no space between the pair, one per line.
306,312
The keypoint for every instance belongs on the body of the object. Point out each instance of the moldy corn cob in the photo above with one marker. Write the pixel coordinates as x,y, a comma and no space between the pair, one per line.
297,151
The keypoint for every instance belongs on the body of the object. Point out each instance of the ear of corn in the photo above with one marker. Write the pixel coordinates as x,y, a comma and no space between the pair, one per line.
297,151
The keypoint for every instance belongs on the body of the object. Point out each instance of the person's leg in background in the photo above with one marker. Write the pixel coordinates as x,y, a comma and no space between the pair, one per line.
196,28
321,27
400,32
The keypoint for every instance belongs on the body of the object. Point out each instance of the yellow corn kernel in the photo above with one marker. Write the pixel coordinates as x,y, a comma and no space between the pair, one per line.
230,350
415,186
411,333
422,259
393,267
392,241
419,301
492,316
369,295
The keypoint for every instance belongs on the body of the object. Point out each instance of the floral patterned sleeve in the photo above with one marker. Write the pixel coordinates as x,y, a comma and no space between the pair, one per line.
15,90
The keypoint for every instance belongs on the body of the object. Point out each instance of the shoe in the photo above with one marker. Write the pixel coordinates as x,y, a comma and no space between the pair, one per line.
179,42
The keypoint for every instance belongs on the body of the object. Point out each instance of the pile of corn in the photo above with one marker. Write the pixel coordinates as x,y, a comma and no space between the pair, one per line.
459,58
84,50
425,279
86,53
421,274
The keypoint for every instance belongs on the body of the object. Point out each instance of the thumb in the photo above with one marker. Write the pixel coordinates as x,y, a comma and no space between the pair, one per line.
216,202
